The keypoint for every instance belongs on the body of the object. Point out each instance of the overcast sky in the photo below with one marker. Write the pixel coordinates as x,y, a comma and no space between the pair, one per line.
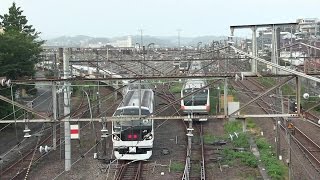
109,18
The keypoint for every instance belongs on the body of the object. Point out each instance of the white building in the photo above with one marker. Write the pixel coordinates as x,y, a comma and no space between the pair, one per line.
309,25
122,43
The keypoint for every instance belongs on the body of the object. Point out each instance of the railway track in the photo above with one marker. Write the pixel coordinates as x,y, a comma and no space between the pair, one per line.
22,166
195,167
310,148
129,170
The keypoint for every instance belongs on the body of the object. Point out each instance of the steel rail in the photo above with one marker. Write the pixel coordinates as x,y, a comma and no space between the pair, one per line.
203,167
307,149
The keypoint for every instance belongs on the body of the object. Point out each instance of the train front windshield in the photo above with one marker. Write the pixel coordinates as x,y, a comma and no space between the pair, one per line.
135,130
197,99
132,111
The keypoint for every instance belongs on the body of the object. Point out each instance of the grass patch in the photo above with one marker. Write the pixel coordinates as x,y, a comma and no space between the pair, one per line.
233,126
287,90
267,81
234,93
214,99
242,139
250,123
177,167
275,168
246,158
209,138
195,167
176,87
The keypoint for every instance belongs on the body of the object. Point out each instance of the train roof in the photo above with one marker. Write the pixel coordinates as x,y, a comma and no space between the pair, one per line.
194,83
132,98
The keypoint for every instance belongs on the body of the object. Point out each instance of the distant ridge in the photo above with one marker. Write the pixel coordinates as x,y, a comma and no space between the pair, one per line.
163,41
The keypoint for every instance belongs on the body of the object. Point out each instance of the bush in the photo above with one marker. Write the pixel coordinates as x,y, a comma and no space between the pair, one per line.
247,158
234,126
241,141
275,168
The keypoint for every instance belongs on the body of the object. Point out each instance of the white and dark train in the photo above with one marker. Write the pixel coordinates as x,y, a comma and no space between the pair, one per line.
133,140
198,103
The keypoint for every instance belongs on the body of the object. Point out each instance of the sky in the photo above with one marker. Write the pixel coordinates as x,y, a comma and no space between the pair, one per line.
111,18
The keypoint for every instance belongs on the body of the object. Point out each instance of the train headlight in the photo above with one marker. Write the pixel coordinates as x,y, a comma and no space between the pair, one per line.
145,121
115,137
148,136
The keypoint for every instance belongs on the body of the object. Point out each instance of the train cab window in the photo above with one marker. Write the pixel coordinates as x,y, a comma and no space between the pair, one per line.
131,111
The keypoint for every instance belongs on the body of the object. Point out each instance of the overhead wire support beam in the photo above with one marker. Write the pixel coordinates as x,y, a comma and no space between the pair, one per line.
262,25
23,107
131,118
221,75
278,66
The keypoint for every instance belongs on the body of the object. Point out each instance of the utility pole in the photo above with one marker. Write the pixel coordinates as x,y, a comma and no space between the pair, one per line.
141,40
290,132
98,87
254,49
179,30
60,95
225,90
67,136
55,115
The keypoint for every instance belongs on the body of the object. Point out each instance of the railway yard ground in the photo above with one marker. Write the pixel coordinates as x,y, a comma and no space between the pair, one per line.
168,158
219,148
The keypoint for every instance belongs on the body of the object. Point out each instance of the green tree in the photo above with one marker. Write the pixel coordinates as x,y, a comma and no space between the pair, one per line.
20,50
19,45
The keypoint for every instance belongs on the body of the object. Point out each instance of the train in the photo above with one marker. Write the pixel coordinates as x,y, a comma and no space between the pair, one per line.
198,103
133,140
184,66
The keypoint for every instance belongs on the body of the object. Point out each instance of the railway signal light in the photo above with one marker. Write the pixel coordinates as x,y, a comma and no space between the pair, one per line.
293,106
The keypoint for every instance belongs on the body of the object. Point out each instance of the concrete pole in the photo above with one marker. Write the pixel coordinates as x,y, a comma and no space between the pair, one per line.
116,92
225,91
298,94
55,115
139,95
98,83
289,156
67,136
274,53
254,50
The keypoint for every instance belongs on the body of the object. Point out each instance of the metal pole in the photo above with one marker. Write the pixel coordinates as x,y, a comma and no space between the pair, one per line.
141,38
278,138
291,48
225,91
254,50
14,114
139,89
179,30
289,133
55,115
89,103
67,137
219,105
274,56
298,87
98,88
